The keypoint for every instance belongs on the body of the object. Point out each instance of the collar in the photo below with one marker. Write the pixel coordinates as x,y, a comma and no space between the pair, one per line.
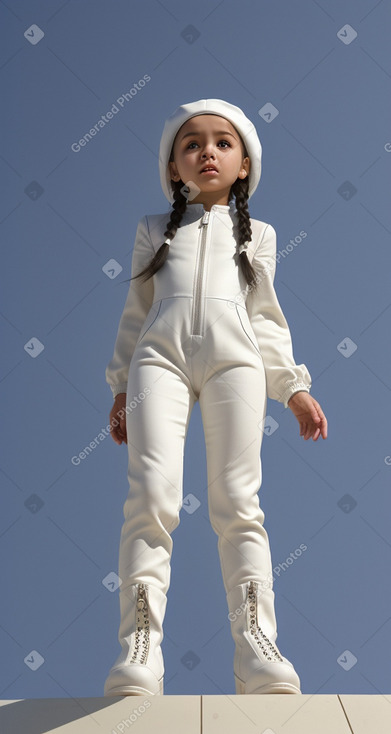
197,210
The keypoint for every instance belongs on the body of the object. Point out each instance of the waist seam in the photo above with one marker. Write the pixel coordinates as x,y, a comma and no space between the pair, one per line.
206,298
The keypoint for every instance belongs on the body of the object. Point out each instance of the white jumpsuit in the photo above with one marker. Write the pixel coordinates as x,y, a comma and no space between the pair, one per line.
195,331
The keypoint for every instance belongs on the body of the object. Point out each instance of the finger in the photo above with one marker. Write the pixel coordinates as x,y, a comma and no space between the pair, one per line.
323,426
115,437
122,431
309,431
315,414
322,415
114,422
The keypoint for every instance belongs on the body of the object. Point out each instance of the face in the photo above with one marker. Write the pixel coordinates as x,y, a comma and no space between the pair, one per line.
208,140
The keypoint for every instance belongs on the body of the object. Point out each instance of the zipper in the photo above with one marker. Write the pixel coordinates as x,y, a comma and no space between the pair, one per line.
196,320
270,651
141,646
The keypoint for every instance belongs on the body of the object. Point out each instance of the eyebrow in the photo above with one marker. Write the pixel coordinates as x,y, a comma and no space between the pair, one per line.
222,132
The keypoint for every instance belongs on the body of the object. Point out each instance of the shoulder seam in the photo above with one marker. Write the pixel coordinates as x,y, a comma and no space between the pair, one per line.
263,236
149,232
266,228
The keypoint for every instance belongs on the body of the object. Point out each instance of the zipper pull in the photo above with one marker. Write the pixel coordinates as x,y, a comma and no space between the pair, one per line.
205,219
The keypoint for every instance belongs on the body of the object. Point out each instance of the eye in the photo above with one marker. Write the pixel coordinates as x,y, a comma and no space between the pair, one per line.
220,141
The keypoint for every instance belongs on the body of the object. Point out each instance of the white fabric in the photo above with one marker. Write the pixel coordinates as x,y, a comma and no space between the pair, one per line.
263,324
240,353
230,354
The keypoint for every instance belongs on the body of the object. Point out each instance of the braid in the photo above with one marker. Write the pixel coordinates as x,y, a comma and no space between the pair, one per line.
240,190
177,212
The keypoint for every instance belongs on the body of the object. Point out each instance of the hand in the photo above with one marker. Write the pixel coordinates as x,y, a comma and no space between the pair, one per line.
118,419
310,415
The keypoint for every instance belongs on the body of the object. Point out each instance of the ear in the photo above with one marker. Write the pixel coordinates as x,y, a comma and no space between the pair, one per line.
174,175
245,169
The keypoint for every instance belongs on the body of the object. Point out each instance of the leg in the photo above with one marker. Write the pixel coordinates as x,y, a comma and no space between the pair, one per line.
156,430
233,403
159,405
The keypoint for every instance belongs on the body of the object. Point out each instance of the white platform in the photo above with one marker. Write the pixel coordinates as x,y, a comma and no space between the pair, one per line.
267,714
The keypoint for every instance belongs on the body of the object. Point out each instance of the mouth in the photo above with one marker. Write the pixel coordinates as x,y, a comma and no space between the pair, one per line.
209,169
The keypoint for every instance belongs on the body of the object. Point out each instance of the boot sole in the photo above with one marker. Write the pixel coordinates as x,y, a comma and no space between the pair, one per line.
134,691
268,688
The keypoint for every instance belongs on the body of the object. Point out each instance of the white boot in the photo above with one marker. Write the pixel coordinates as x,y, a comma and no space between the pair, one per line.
259,666
139,669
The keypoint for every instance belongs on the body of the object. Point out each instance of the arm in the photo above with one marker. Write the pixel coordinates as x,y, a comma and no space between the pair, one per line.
283,376
137,305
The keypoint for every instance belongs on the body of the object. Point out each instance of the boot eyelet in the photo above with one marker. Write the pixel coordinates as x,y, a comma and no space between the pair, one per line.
142,639
260,637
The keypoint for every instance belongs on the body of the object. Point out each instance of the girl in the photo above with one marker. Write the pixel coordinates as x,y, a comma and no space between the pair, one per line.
202,322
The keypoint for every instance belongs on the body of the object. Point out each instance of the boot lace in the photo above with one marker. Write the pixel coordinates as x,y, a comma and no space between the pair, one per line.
270,651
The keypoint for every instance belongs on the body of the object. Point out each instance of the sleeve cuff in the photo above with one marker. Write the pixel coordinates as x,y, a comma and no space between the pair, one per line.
116,389
292,389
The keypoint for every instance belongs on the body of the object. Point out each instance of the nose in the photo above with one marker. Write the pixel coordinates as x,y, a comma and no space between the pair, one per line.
208,151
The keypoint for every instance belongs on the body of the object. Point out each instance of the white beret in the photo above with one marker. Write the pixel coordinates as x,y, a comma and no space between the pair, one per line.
234,114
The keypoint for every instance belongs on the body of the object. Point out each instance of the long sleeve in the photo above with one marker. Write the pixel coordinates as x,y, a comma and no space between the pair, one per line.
283,376
138,302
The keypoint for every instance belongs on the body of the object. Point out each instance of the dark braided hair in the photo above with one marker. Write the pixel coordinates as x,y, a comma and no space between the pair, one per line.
239,190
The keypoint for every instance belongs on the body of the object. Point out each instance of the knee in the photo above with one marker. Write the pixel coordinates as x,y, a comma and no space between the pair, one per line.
233,518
